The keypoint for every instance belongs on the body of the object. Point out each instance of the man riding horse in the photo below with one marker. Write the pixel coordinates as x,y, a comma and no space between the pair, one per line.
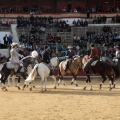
94,55
15,57
70,54
46,59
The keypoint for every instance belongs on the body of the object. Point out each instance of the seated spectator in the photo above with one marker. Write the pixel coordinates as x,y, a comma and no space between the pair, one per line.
42,30
75,11
64,9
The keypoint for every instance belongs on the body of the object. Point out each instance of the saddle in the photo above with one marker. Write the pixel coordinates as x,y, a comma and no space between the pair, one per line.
10,65
94,63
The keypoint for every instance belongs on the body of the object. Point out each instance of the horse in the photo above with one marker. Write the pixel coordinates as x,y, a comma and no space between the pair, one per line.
5,72
103,69
29,69
76,64
44,72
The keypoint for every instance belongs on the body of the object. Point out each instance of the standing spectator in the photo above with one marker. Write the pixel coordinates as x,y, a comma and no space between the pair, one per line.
10,39
5,38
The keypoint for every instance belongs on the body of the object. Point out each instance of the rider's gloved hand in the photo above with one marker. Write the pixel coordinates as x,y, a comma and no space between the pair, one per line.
22,56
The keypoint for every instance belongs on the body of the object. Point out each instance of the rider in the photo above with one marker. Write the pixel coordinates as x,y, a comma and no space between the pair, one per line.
46,58
70,54
94,55
15,57
21,50
117,56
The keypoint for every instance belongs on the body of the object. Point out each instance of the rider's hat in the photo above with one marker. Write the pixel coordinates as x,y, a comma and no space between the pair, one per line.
46,46
70,46
13,44
116,46
22,46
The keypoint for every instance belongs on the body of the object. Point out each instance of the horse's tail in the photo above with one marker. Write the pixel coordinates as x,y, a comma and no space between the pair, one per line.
32,74
116,71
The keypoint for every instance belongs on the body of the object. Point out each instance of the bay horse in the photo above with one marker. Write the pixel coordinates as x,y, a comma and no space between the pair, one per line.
44,72
75,65
104,69
5,71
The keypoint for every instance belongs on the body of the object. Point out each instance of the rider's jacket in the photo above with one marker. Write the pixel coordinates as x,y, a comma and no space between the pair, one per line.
95,53
70,54
15,56
45,56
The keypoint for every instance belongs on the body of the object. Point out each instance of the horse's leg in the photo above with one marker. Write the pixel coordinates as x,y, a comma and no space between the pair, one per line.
18,84
89,82
74,80
61,79
55,82
45,83
112,82
9,81
25,84
3,83
104,79
87,79
42,83
13,79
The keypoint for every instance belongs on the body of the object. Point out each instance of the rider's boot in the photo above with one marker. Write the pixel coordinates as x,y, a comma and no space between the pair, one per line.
51,72
18,70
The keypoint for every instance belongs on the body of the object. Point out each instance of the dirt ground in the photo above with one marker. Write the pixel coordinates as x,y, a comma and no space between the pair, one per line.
64,103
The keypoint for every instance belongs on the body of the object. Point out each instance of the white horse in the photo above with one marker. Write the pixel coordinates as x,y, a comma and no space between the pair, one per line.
44,71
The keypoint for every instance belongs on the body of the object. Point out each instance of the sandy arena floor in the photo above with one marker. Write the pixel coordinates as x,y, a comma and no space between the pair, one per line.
64,103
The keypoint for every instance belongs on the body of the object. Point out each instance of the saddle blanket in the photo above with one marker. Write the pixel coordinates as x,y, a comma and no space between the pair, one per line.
46,64
94,63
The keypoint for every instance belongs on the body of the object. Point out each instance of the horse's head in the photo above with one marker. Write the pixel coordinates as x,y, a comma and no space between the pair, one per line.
78,61
54,61
29,61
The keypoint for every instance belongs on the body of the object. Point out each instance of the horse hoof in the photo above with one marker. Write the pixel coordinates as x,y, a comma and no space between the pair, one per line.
33,86
110,89
58,84
26,86
18,88
55,87
114,86
3,88
71,83
84,88
6,89
76,85
23,89
64,84
8,86
30,89
45,89
91,89
100,86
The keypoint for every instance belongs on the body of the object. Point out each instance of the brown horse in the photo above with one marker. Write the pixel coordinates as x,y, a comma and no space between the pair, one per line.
104,70
75,65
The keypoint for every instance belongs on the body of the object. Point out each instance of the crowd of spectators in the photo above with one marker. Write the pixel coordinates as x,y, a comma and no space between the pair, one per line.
99,8
80,23
99,20
34,21
116,19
